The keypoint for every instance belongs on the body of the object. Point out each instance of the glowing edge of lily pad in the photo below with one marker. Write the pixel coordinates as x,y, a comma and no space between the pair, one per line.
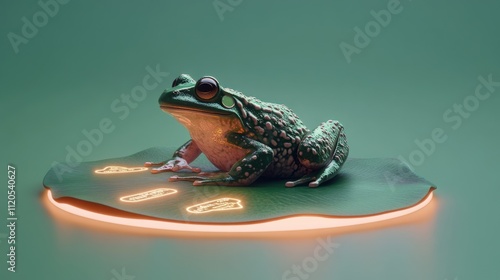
296,223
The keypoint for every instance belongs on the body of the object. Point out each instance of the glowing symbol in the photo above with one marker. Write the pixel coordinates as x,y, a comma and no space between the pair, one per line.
221,204
148,195
119,169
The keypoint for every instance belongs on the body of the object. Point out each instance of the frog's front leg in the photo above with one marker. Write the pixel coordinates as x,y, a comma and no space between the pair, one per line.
243,172
180,159
324,151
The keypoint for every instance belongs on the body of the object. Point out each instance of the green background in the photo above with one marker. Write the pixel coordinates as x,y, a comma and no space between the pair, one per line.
393,92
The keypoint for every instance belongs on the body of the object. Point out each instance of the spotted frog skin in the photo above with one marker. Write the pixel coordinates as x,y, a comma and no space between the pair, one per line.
246,138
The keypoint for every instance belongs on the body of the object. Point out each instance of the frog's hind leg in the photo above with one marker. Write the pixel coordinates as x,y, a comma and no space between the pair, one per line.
323,150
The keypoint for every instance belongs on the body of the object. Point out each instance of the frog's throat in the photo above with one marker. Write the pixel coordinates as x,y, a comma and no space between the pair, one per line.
195,119
178,110
209,131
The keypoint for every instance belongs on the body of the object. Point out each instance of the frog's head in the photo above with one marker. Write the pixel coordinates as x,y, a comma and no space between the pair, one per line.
204,97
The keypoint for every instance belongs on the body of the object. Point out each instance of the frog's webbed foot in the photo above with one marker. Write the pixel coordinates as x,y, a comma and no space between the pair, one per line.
173,165
305,179
317,178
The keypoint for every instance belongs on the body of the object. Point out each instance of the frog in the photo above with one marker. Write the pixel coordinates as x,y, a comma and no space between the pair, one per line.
246,138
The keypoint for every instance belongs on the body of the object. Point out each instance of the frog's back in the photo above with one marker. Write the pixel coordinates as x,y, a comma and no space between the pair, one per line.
278,127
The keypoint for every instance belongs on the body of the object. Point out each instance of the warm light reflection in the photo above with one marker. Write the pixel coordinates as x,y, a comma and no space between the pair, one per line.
119,169
221,204
147,195
296,223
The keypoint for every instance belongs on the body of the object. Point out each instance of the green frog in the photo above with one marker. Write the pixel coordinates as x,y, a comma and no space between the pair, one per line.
246,138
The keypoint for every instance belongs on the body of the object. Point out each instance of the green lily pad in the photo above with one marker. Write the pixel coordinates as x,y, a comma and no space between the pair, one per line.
124,187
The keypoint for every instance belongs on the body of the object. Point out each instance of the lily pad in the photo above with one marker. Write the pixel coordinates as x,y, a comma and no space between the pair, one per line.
123,187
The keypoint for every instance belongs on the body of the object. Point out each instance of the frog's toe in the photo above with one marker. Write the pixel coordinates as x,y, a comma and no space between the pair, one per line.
209,178
179,167
202,183
163,168
174,166
176,178
321,179
182,164
314,184
200,177
206,182
149,163
198,180
305,179
221,180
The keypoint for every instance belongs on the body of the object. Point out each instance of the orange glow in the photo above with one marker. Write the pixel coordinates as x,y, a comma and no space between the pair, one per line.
295,223
221,204
147,195
119,169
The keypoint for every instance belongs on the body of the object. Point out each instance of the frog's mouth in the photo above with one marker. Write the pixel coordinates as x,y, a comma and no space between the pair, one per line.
176,108
195,118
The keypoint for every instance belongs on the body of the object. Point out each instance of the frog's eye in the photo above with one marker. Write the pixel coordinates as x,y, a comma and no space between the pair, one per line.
207,88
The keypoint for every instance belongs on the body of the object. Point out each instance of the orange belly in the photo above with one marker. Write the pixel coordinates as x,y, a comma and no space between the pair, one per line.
209,132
